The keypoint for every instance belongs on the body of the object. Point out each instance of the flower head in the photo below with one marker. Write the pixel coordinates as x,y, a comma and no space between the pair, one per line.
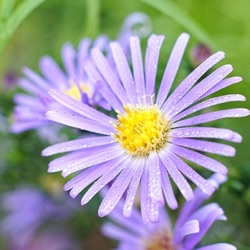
27,210
151,135
31,107
191,226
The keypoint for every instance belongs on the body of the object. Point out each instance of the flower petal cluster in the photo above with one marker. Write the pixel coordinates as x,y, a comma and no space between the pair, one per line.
31,106
154,132
191,226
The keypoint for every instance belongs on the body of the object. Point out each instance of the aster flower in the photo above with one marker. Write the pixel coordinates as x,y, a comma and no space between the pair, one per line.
27,210
152,134
71,79
190,227
31,107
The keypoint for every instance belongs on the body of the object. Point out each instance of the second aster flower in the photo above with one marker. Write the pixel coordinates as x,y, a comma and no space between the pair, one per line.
152,134
191,226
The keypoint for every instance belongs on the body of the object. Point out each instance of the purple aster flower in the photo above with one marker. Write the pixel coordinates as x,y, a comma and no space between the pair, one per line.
27,210
152,134
10,79
71,79
199,54
31,107
191,226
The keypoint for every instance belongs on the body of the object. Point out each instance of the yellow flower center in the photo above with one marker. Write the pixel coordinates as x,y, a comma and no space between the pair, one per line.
74,92
161,240
142,129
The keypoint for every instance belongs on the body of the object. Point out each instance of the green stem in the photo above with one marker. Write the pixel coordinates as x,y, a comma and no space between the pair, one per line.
92,16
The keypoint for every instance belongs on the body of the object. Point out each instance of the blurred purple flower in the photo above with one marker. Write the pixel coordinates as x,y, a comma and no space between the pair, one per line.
151,135
56,239
10,80
27,210
31,107
199,54
191,226
72,80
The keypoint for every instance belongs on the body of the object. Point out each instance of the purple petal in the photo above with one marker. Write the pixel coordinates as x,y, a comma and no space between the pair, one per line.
107,93
167,188
80,108
36,79
116,191
205,146
84,159
199,159
222,84
75,121
149,209
212,116
77,144
68,58
122,235
29,102
130,224
124,71
211,214
53,73
64,160
91,160
203,184
220,246
81,181
23,126
101,42
151,62
172,68
217,179
191,206
177,177
82,55
197,91
192,78
189,227
206,132
155,179
109,75
137,65
133,187
208,103
105,179
30,87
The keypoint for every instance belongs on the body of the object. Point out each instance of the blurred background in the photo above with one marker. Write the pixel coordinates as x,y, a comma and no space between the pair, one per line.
217,25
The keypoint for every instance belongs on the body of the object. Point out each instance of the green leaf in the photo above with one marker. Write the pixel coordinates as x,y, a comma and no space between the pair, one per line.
16,18
171,9
6,7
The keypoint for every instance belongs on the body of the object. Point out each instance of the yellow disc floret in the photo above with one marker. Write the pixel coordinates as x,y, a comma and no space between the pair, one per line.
142,129
74,91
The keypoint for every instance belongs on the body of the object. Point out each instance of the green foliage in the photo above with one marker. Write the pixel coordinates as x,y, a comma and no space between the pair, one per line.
11,18
171,9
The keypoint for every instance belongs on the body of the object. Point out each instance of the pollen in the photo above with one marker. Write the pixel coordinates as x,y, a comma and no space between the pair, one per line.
74,90
160,240
142,129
